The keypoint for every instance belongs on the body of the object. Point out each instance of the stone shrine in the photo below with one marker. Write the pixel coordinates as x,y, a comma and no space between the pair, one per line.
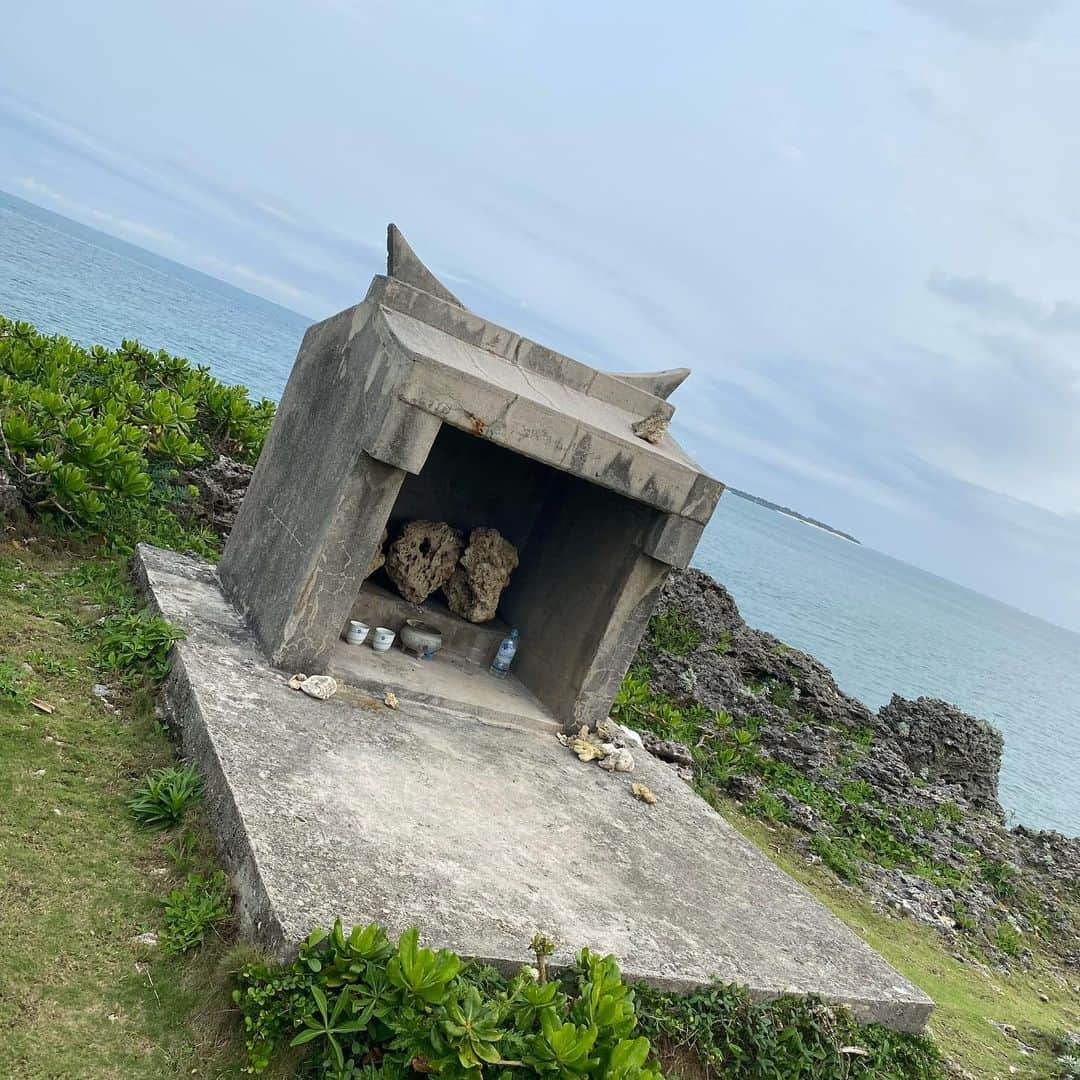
422,453
408,407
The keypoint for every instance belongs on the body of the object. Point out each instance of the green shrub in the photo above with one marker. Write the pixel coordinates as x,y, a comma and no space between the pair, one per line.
357,999
137,643
782,695
922,818
369,1008
673,632
1001,877
856,791
767,805
1008,939
964,919
94,439
1069,1064
162,798
192,911
729,1036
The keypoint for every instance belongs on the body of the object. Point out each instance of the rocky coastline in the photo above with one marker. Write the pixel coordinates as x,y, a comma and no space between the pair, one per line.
901,803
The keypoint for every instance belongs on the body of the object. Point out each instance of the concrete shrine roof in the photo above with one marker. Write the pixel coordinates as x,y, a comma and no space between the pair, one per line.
494,383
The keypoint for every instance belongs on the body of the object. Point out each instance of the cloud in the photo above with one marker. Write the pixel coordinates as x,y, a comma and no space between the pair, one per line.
137,230
996,22
254,277
993,298
213,216
1065,316
237,272
999,415
805,465
1000,300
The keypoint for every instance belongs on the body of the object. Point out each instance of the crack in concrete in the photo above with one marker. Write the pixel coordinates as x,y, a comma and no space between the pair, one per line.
288,531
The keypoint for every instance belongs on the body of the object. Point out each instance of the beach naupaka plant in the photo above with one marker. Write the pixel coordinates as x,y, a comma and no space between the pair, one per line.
90,435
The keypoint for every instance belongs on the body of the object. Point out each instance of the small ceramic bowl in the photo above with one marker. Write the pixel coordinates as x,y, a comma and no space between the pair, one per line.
382,639
420,638
357,633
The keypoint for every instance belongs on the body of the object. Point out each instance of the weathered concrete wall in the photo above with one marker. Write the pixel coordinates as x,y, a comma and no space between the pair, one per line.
271,553
380,606
581,598
314,513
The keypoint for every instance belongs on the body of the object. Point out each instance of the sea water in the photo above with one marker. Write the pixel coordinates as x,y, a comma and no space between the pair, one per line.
880,625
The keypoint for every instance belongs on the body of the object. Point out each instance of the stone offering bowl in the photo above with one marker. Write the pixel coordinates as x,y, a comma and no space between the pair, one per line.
420,638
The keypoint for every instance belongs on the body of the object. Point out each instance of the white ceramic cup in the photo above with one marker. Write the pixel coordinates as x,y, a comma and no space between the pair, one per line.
382,639
357,633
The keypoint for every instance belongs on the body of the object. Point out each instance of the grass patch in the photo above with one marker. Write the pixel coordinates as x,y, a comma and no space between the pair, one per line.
967,994
721,1032
79,995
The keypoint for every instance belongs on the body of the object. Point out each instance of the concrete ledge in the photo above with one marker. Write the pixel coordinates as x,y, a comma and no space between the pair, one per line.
481,834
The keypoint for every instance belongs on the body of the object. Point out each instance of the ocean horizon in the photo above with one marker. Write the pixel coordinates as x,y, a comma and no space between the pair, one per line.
881,625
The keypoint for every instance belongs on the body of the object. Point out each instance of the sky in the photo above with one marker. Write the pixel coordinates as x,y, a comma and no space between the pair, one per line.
859,224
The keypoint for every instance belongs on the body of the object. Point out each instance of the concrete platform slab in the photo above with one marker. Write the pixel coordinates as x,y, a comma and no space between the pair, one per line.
480,834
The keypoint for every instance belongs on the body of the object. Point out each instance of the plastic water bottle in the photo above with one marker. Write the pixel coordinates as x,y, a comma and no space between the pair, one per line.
500,666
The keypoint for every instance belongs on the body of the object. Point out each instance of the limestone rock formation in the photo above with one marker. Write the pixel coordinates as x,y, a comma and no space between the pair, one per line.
9,494
481,575
422,558
619,759
923,772
222,485
942,744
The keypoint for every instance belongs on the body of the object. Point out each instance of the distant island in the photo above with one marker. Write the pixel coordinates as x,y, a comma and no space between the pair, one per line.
792,513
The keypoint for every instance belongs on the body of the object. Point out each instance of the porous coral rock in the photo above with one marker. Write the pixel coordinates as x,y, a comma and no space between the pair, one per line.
422,558
222,485
480,576
619,760
652,428
379,558
319,687
921,771
9,494
586,747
